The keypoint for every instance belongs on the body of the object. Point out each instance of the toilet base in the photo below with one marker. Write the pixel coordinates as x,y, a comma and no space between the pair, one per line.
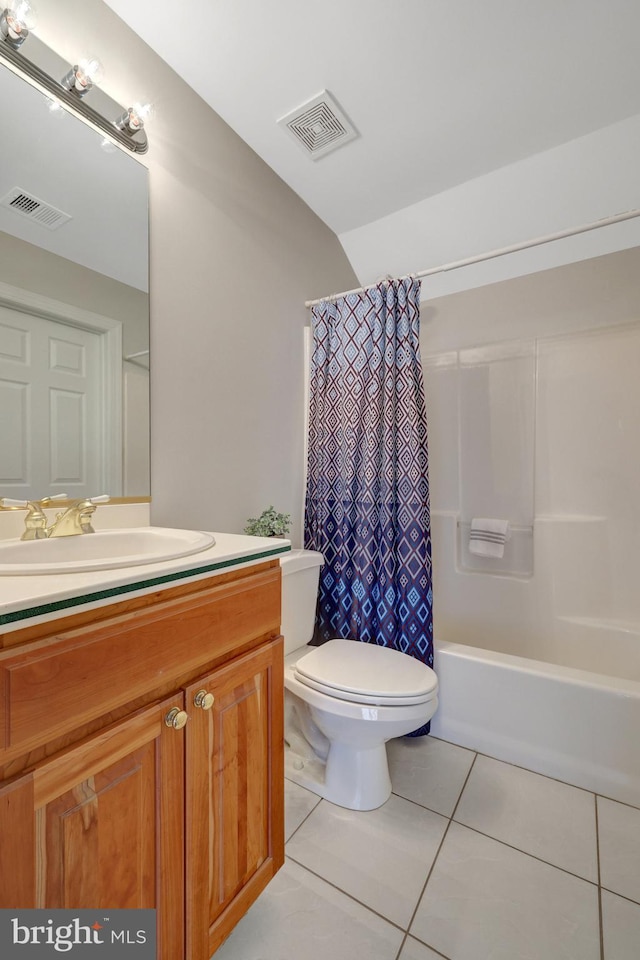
306,772
357,779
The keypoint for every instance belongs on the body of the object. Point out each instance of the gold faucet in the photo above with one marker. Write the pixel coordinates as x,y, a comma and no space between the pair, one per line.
35,522
76,518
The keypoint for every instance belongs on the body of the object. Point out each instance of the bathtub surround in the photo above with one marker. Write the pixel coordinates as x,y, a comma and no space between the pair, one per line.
367,508
553,403
542,371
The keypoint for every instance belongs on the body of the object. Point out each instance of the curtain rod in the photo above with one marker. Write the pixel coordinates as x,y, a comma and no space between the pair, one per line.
492,254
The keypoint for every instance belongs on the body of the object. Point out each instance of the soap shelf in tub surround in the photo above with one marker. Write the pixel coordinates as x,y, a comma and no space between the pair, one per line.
517,560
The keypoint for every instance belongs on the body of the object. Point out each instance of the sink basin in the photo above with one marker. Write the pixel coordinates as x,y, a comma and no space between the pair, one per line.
105,550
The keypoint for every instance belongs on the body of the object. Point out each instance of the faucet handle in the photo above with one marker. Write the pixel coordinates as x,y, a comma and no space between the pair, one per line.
35,522
8,502
85,510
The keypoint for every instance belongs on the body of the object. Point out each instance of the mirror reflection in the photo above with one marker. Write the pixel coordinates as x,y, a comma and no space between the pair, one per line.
74,305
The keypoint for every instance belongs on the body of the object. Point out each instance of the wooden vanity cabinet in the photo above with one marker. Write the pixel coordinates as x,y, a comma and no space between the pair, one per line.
234,842
100,825
109,806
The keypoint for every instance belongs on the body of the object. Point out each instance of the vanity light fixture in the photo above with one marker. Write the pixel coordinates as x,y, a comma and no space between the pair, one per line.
16,21
78,90
83,75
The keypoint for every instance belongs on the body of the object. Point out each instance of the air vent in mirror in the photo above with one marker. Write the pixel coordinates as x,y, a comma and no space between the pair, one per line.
24,203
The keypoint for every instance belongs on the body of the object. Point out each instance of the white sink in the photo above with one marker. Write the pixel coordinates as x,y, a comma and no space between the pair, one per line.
105,550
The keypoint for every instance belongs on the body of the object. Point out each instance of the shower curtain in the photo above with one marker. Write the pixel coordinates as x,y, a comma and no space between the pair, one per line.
367,502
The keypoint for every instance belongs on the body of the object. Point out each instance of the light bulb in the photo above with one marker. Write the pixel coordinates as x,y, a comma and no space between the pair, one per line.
141,113
134,119
83,75
16,21
89,70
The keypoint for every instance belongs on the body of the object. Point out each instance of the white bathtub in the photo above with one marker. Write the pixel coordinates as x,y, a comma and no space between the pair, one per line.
579,727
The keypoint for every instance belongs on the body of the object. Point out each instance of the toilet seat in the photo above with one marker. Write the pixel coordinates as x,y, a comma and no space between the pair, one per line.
366,673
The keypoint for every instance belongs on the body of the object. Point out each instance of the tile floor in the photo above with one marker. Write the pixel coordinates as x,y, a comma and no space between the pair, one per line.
469,859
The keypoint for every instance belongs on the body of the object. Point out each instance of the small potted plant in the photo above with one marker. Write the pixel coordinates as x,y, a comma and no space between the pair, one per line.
270,523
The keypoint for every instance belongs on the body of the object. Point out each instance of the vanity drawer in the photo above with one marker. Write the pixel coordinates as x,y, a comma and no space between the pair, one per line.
54,685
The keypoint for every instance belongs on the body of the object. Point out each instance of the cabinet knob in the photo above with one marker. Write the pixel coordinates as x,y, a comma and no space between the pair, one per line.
176,718
203,700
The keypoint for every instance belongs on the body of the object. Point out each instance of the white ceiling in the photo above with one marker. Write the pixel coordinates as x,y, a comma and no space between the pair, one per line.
440,91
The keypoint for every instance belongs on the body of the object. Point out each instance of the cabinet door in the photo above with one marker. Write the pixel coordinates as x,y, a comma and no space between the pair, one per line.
101,825
235,793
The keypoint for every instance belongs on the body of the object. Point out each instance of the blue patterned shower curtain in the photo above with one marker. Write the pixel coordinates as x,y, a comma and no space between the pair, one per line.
367,504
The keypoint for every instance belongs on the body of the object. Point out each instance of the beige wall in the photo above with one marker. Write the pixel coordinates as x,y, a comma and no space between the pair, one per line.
234,254
32,268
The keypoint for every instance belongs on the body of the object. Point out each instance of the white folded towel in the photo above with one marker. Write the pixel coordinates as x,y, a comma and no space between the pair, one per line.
488,537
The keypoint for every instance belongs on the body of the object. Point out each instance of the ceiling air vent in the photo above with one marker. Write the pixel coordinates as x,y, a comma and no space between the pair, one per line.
319,126
29,206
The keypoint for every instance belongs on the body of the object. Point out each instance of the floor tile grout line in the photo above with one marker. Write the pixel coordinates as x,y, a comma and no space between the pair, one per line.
489,836
547,776
623,803
319,876
423,806
497,839
600,923
595,883
443,956
464,787
435,859
518,766
402,943
304,820
451,819
614,893
360,902
432,736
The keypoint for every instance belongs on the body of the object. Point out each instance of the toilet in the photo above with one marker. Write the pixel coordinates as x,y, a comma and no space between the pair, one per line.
344,699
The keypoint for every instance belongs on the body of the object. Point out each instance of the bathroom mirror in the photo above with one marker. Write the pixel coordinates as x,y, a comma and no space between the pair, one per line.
74,305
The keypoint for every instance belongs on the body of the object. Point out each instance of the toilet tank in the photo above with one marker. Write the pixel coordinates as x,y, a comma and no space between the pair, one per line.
300,577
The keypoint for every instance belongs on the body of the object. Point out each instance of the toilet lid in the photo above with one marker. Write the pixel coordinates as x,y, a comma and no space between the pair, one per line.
366,673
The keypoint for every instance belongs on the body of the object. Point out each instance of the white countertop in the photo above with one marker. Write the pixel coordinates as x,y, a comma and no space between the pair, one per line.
34,599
